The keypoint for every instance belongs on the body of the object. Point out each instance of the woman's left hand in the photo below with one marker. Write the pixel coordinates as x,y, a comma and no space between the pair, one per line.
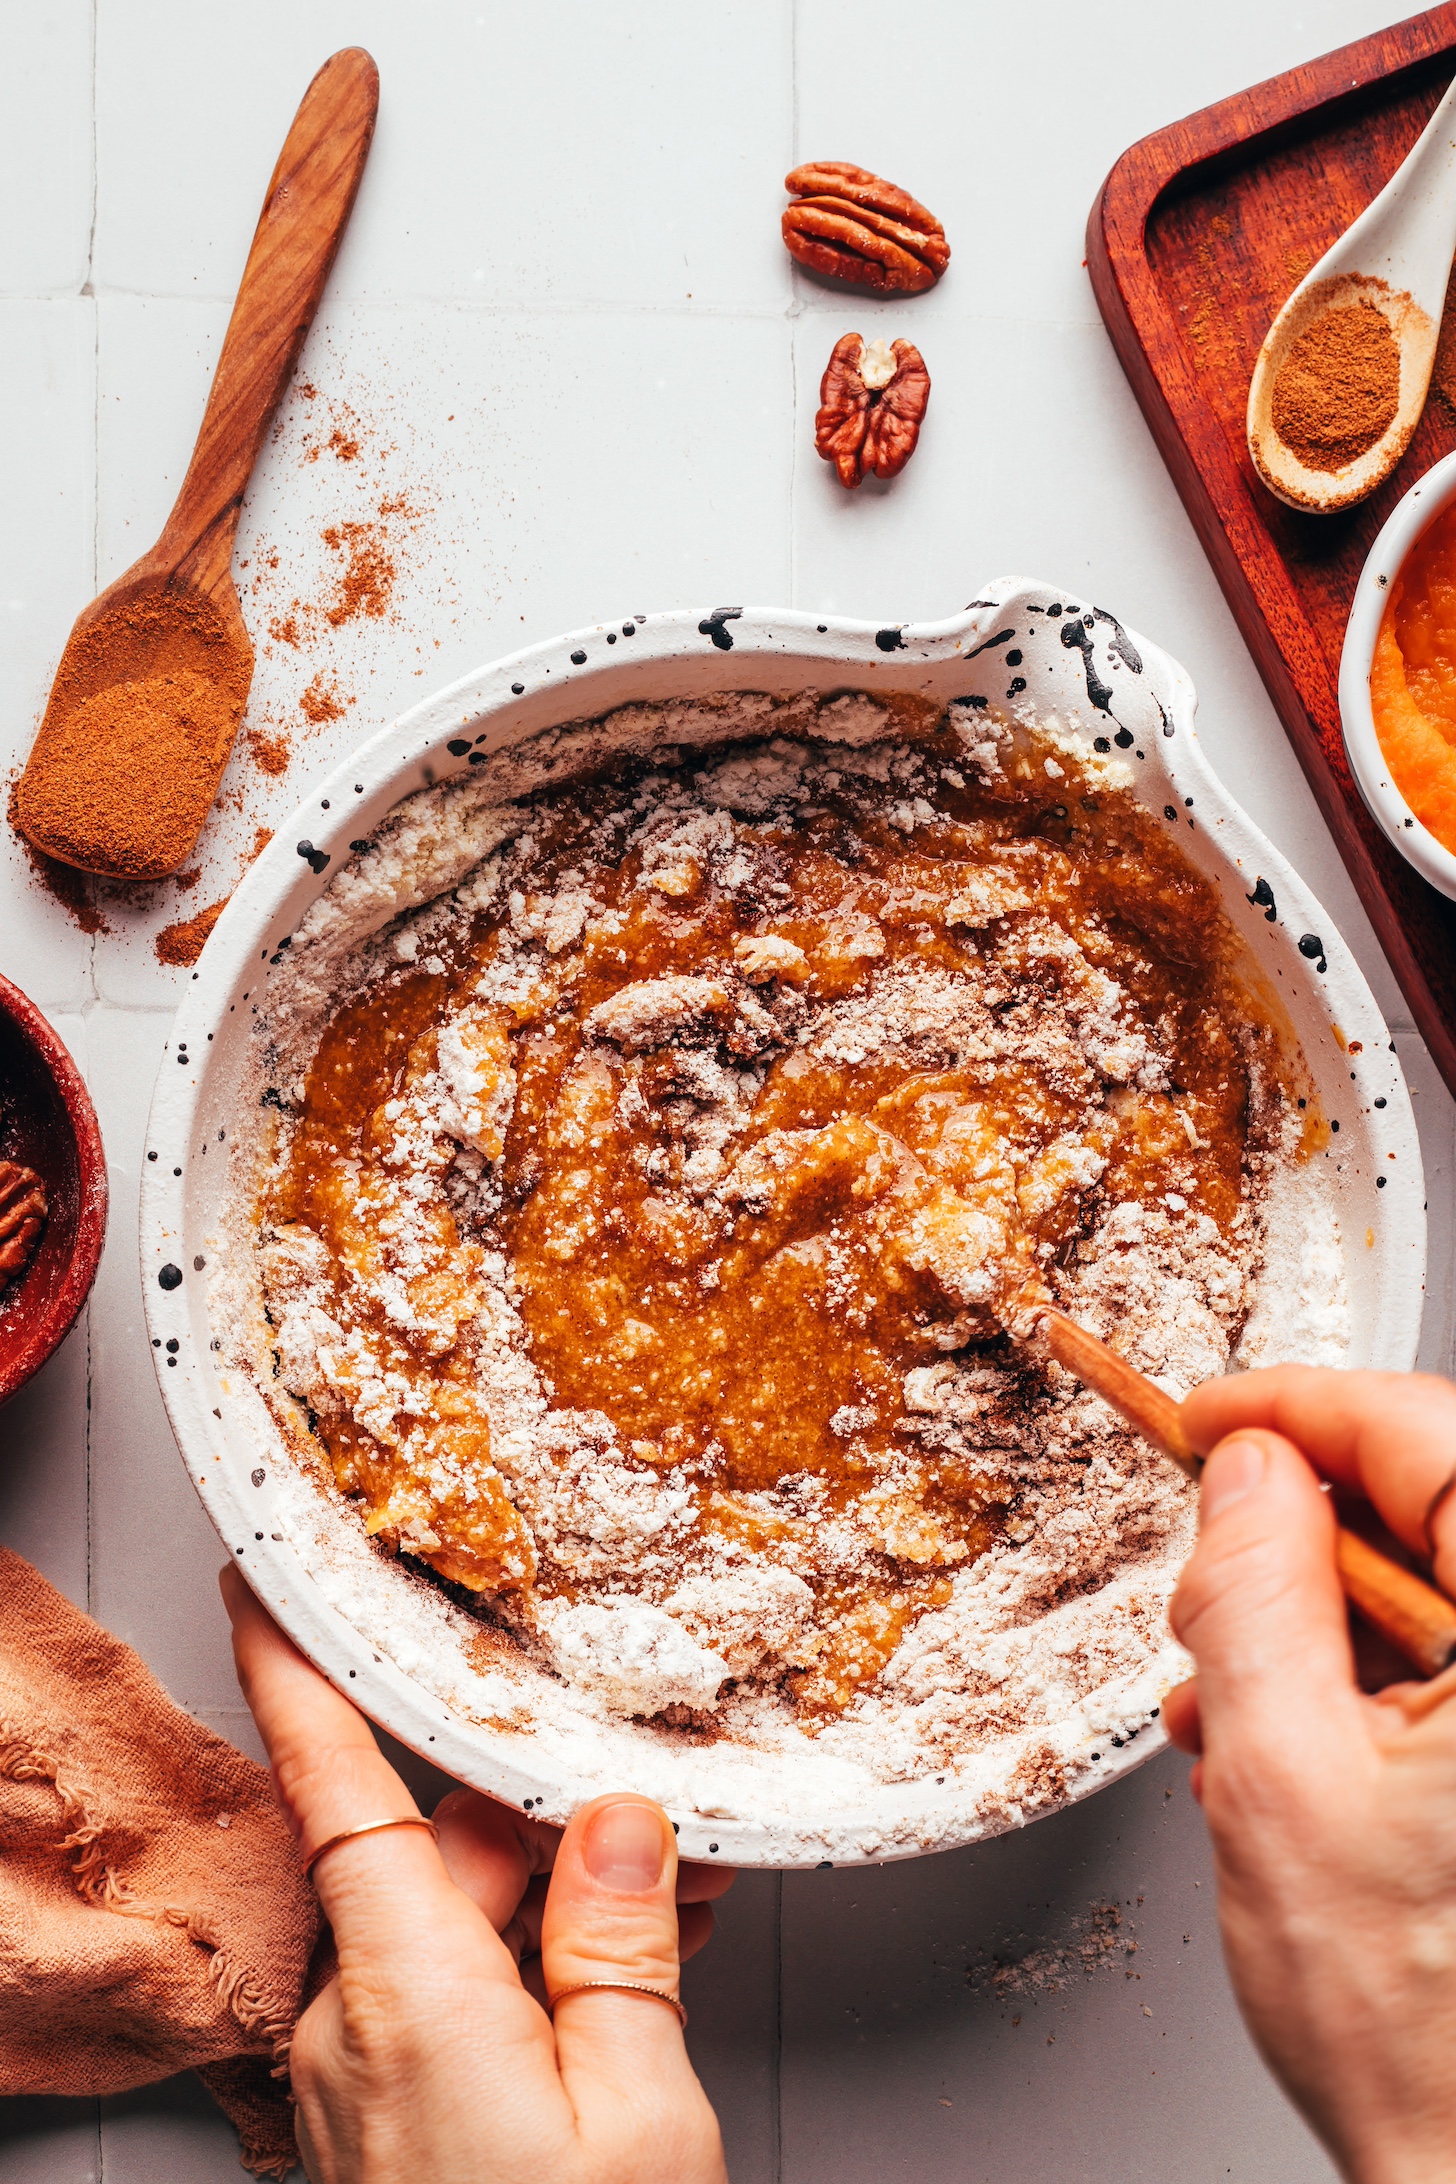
430,2054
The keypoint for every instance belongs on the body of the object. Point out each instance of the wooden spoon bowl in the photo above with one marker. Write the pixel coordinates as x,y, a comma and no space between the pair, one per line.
154,678
47,1123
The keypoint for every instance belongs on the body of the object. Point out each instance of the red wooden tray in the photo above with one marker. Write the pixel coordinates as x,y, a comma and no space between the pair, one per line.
1198,235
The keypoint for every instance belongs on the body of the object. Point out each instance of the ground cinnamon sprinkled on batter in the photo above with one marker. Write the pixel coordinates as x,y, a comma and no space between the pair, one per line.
1337,390
183,943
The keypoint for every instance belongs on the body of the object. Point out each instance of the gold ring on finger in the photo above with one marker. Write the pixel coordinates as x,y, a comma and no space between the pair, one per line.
369,1827
620,1986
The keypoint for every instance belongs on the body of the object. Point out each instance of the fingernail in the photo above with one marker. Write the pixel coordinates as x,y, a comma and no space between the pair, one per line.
1234,1469
624,1848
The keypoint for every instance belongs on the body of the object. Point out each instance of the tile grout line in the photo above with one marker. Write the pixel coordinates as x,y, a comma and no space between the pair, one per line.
92,997
89,290
778,2032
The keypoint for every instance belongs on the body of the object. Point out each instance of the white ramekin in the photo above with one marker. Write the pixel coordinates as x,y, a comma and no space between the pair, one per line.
1428,498
1029,648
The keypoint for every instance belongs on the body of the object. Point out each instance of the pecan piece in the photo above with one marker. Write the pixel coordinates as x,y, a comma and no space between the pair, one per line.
23,1211
871,399
850,225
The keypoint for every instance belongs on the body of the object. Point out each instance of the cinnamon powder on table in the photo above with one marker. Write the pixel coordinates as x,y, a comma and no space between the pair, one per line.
271,753
320,702
183,942
73,890
367,582
1336,393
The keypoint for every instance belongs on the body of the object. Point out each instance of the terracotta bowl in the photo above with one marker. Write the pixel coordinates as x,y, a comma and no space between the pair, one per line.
47,1123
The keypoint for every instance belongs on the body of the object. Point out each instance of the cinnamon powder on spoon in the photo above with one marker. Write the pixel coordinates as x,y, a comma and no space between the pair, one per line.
140,721
1335,395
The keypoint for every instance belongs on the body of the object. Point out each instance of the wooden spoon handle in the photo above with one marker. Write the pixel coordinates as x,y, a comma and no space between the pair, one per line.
1131,1394
299,230
1417,1619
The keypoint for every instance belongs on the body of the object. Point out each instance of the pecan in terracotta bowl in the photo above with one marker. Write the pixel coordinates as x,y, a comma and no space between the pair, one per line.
850,225
872,399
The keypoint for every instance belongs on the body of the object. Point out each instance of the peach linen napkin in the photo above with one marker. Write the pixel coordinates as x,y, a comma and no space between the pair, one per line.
153,1910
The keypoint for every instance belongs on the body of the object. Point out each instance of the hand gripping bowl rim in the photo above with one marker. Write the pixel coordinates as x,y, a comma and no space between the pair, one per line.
582,675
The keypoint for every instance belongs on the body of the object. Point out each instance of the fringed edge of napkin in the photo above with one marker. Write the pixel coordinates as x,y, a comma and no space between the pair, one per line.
260,2015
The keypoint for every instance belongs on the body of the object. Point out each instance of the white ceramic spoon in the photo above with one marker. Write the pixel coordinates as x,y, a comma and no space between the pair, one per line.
1396,256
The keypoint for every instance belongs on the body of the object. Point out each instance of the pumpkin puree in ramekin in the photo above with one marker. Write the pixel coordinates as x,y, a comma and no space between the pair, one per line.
1413,680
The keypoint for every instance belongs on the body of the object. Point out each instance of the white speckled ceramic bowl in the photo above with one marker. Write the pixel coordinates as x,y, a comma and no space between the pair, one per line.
1428,498
1026,648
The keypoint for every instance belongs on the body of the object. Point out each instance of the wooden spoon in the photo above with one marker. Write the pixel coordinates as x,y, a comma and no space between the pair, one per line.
1419,1621
1397,258
155,674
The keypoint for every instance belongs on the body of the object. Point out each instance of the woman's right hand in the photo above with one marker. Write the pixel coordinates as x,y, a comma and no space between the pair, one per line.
427,2058
1333,1814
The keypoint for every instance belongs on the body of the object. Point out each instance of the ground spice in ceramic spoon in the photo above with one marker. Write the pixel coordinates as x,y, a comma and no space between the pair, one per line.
1340,380
154,678
1336,392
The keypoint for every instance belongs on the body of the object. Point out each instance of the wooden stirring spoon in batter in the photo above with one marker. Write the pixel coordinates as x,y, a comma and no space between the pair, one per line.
1419,1621
155,675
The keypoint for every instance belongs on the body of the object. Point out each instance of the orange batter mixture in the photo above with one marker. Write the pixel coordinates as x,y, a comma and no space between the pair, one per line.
728,1230
1413,680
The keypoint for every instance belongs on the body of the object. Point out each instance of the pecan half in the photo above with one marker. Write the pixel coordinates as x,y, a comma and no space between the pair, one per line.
850,225
23,1211
871,401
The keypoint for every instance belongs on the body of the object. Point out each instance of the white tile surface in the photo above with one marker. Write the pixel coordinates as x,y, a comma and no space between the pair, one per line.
47,573
167,2134
1105,2079
734,2033
50,2141
46,147
594,155
563,329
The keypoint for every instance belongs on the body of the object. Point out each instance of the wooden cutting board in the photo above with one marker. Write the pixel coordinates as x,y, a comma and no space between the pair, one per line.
1196,238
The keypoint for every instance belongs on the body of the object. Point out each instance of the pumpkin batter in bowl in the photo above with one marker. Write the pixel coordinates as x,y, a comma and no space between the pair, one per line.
637,1233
